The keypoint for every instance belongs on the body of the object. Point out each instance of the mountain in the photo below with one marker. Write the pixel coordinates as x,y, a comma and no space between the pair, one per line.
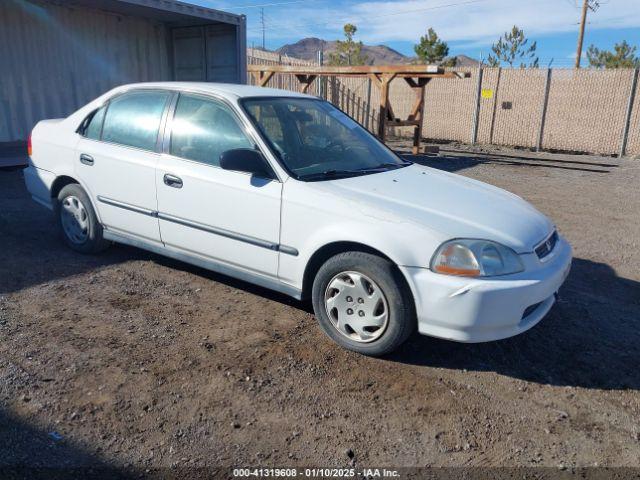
307,49
465,61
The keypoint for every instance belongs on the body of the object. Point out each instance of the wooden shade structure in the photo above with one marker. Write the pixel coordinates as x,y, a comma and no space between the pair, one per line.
416,76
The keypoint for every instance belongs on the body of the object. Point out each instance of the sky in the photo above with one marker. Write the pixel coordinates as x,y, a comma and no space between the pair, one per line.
470,27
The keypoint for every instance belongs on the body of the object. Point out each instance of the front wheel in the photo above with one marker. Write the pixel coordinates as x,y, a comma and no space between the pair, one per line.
77,220
362,302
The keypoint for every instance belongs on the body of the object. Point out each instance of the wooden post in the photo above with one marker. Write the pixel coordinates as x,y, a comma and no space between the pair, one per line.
384,105
305,81
419,114
416,116
262,77
310,80
385,109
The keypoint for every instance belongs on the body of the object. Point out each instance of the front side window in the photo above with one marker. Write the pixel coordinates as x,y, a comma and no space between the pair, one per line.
316,141
202,129
270,123
133,119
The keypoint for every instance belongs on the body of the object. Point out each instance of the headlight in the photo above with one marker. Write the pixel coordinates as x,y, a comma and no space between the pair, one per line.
475,258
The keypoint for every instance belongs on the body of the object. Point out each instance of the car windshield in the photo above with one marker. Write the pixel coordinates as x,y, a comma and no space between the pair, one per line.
316,141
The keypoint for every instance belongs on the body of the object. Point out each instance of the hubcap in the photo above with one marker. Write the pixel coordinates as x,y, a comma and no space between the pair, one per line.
75,221
356,306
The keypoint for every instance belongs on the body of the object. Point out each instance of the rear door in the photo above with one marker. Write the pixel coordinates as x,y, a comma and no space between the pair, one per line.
117,157
230,217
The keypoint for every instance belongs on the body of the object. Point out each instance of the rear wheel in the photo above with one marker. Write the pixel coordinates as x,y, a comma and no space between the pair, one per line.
78,222
361,301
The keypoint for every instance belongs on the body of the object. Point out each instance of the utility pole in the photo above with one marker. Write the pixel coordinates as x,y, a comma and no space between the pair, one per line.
262,21
586,5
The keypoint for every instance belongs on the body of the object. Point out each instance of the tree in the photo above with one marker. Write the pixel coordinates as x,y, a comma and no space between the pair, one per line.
622,56
348,51
512,48
432,50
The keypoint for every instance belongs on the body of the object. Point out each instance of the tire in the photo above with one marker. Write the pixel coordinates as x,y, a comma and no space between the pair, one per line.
358,322
77,220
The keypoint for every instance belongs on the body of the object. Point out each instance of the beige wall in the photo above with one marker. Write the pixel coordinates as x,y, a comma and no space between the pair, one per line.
587,110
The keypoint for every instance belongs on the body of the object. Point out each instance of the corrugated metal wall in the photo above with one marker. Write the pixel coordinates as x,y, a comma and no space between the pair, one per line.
206,54
54,59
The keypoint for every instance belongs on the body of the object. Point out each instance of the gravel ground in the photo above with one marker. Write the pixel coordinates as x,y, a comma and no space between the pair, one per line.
128,359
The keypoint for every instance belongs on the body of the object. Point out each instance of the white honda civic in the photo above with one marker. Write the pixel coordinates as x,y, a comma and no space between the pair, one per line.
285,191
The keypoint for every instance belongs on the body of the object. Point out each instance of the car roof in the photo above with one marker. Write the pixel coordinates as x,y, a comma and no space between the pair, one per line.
227,90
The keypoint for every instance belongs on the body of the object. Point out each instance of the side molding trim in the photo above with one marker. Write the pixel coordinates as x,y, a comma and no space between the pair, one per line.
199,226
219,231
127,206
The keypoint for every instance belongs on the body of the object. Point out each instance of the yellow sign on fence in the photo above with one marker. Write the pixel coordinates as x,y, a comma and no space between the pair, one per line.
487,93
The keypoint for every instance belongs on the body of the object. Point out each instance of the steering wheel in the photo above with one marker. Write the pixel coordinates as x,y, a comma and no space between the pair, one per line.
333,144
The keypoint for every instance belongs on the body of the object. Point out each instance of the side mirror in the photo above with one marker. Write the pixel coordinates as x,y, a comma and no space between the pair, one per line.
246,160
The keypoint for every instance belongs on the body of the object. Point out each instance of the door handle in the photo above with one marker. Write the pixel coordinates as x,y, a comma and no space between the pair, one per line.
172,181
86,159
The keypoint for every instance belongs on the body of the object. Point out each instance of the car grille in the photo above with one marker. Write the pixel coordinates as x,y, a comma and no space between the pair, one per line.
547,246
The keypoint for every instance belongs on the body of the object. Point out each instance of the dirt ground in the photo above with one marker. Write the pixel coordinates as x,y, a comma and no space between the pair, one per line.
130,360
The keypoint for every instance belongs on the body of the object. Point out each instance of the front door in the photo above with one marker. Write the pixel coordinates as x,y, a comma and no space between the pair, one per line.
116,160
226,216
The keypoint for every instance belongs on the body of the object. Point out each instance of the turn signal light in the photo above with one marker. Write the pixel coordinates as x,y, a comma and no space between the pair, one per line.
456,259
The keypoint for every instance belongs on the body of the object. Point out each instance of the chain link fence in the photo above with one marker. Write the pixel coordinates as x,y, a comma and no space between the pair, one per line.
587,110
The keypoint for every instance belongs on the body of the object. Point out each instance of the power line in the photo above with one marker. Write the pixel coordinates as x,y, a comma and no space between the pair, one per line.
262,5
369,17
613,20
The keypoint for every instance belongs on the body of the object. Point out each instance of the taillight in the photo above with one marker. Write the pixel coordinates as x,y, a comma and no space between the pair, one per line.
29,147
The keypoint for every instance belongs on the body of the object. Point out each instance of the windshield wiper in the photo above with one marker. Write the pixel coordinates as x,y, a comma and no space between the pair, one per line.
385,166
331,174
326,174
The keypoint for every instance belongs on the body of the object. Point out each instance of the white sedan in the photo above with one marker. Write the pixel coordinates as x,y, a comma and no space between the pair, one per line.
285,191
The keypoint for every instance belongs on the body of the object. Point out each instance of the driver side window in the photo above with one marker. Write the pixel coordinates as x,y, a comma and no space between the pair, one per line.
268,120
202,129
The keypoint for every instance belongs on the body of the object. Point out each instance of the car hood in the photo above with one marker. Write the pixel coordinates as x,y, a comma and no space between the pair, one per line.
451,205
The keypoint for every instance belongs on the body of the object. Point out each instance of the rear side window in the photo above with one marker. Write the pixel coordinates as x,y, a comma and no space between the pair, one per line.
94,127
133,119
202,129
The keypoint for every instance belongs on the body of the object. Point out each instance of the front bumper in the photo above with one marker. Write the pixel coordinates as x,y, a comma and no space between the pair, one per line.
481,310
